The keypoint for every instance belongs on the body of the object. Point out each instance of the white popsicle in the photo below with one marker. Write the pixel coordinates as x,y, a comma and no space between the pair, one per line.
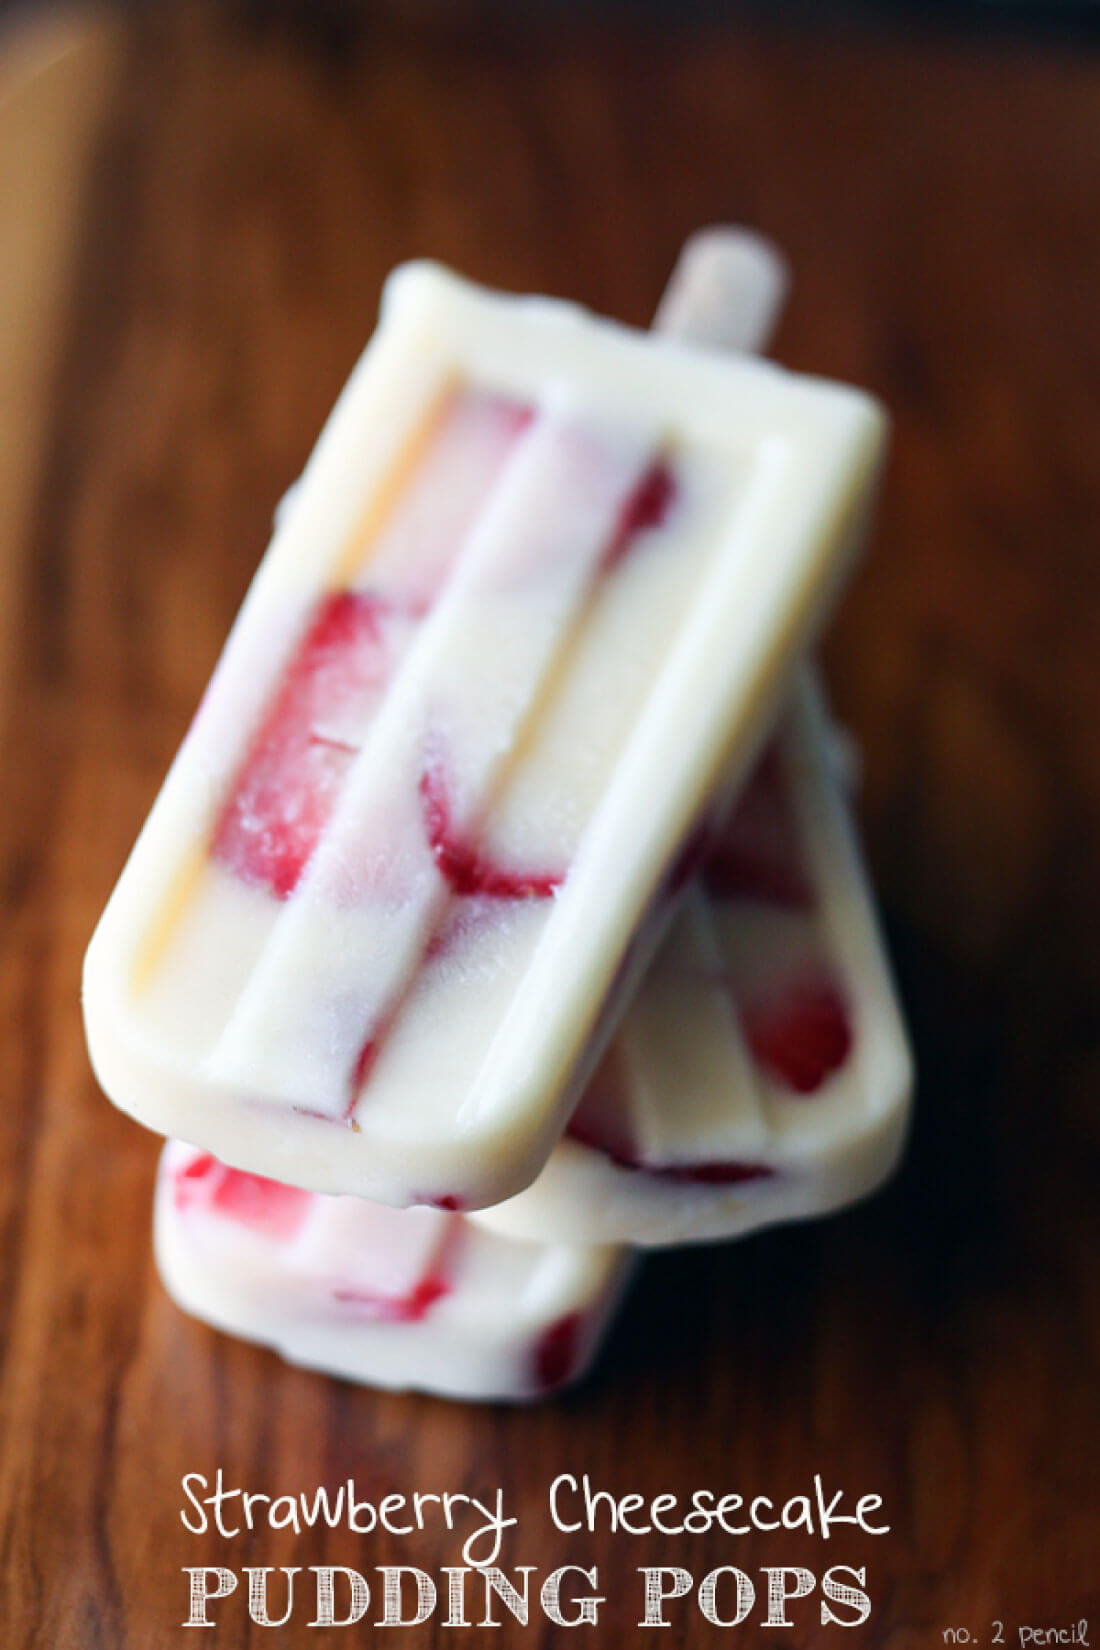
394,891
399,1298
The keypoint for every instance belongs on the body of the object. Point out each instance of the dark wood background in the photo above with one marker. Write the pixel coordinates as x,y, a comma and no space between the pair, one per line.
252,178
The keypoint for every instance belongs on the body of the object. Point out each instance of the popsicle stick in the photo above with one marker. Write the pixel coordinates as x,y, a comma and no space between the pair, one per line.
726,291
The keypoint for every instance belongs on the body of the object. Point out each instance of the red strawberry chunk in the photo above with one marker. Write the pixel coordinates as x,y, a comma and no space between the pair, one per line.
646,507
556,1352
415,1301
291,778
802,1035
410,1308
266,1206
460,861
759,855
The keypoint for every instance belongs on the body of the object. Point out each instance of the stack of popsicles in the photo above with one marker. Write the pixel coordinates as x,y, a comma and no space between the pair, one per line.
501,913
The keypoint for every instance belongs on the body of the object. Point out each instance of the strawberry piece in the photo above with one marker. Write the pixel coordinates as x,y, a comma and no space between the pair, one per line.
291,777
802,1035
266,1206
435,1282
759,854
556,1352
646,507
515,416
459,859
410,1308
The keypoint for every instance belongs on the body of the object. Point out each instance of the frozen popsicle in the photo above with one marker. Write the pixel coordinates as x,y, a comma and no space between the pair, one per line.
761,1073
402,1298
525,616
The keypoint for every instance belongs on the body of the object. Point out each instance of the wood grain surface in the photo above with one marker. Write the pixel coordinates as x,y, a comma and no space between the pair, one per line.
56,75
255,177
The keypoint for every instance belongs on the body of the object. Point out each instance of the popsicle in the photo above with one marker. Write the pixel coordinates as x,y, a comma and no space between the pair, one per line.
520,627
400,1298
762,1072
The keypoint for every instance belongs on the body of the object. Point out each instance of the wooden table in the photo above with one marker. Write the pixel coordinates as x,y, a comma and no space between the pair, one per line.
173,337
